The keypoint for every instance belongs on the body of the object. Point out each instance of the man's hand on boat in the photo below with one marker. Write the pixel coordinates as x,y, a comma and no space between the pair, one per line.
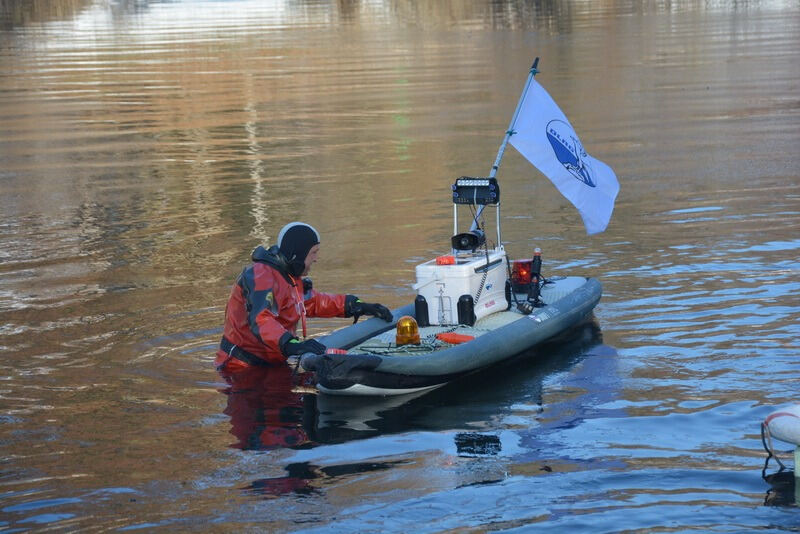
295,347
359,308
303,354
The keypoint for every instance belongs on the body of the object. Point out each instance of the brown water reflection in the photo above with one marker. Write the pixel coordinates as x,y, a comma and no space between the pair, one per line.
147,147
15,13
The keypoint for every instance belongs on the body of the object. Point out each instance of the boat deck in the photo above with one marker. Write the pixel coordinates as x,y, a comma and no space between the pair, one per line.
384,344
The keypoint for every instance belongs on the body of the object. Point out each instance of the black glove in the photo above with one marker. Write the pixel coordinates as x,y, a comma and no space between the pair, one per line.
295,346
359,308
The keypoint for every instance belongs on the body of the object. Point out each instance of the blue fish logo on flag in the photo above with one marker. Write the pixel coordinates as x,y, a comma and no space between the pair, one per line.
544,136
569,151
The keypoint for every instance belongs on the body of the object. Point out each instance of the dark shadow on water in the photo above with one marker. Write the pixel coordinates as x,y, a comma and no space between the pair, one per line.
460,404
272,408
782,485
299,477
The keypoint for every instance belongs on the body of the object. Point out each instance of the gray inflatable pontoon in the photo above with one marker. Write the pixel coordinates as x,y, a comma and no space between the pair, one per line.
374,365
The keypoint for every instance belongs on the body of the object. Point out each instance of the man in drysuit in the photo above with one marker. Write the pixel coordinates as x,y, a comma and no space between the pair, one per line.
270,299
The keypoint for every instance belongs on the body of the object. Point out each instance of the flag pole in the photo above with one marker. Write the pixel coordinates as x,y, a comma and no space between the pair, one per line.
533,72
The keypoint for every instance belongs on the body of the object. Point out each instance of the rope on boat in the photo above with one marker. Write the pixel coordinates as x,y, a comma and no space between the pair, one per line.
422,348
427,345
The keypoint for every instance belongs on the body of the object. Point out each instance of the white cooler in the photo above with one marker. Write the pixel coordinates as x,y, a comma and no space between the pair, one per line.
443,285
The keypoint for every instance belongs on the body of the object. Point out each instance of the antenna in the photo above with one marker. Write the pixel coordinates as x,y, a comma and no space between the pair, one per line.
533,72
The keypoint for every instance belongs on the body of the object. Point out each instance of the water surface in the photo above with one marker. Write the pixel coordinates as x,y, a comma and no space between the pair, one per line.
147,147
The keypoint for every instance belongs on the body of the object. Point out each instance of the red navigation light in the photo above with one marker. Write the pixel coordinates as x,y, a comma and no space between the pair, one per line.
521,271
521,275
446,260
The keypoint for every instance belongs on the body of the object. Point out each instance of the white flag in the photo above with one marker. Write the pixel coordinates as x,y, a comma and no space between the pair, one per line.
544,136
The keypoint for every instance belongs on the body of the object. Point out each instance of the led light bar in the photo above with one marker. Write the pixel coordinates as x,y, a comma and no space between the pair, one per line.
472,182
469,190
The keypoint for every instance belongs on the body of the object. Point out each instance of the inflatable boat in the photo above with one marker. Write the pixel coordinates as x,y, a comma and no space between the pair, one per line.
372,362
474,307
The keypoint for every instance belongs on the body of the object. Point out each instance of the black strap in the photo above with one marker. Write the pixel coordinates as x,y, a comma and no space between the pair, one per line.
240,354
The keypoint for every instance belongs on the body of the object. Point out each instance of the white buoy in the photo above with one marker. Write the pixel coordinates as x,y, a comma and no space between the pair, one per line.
784,425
